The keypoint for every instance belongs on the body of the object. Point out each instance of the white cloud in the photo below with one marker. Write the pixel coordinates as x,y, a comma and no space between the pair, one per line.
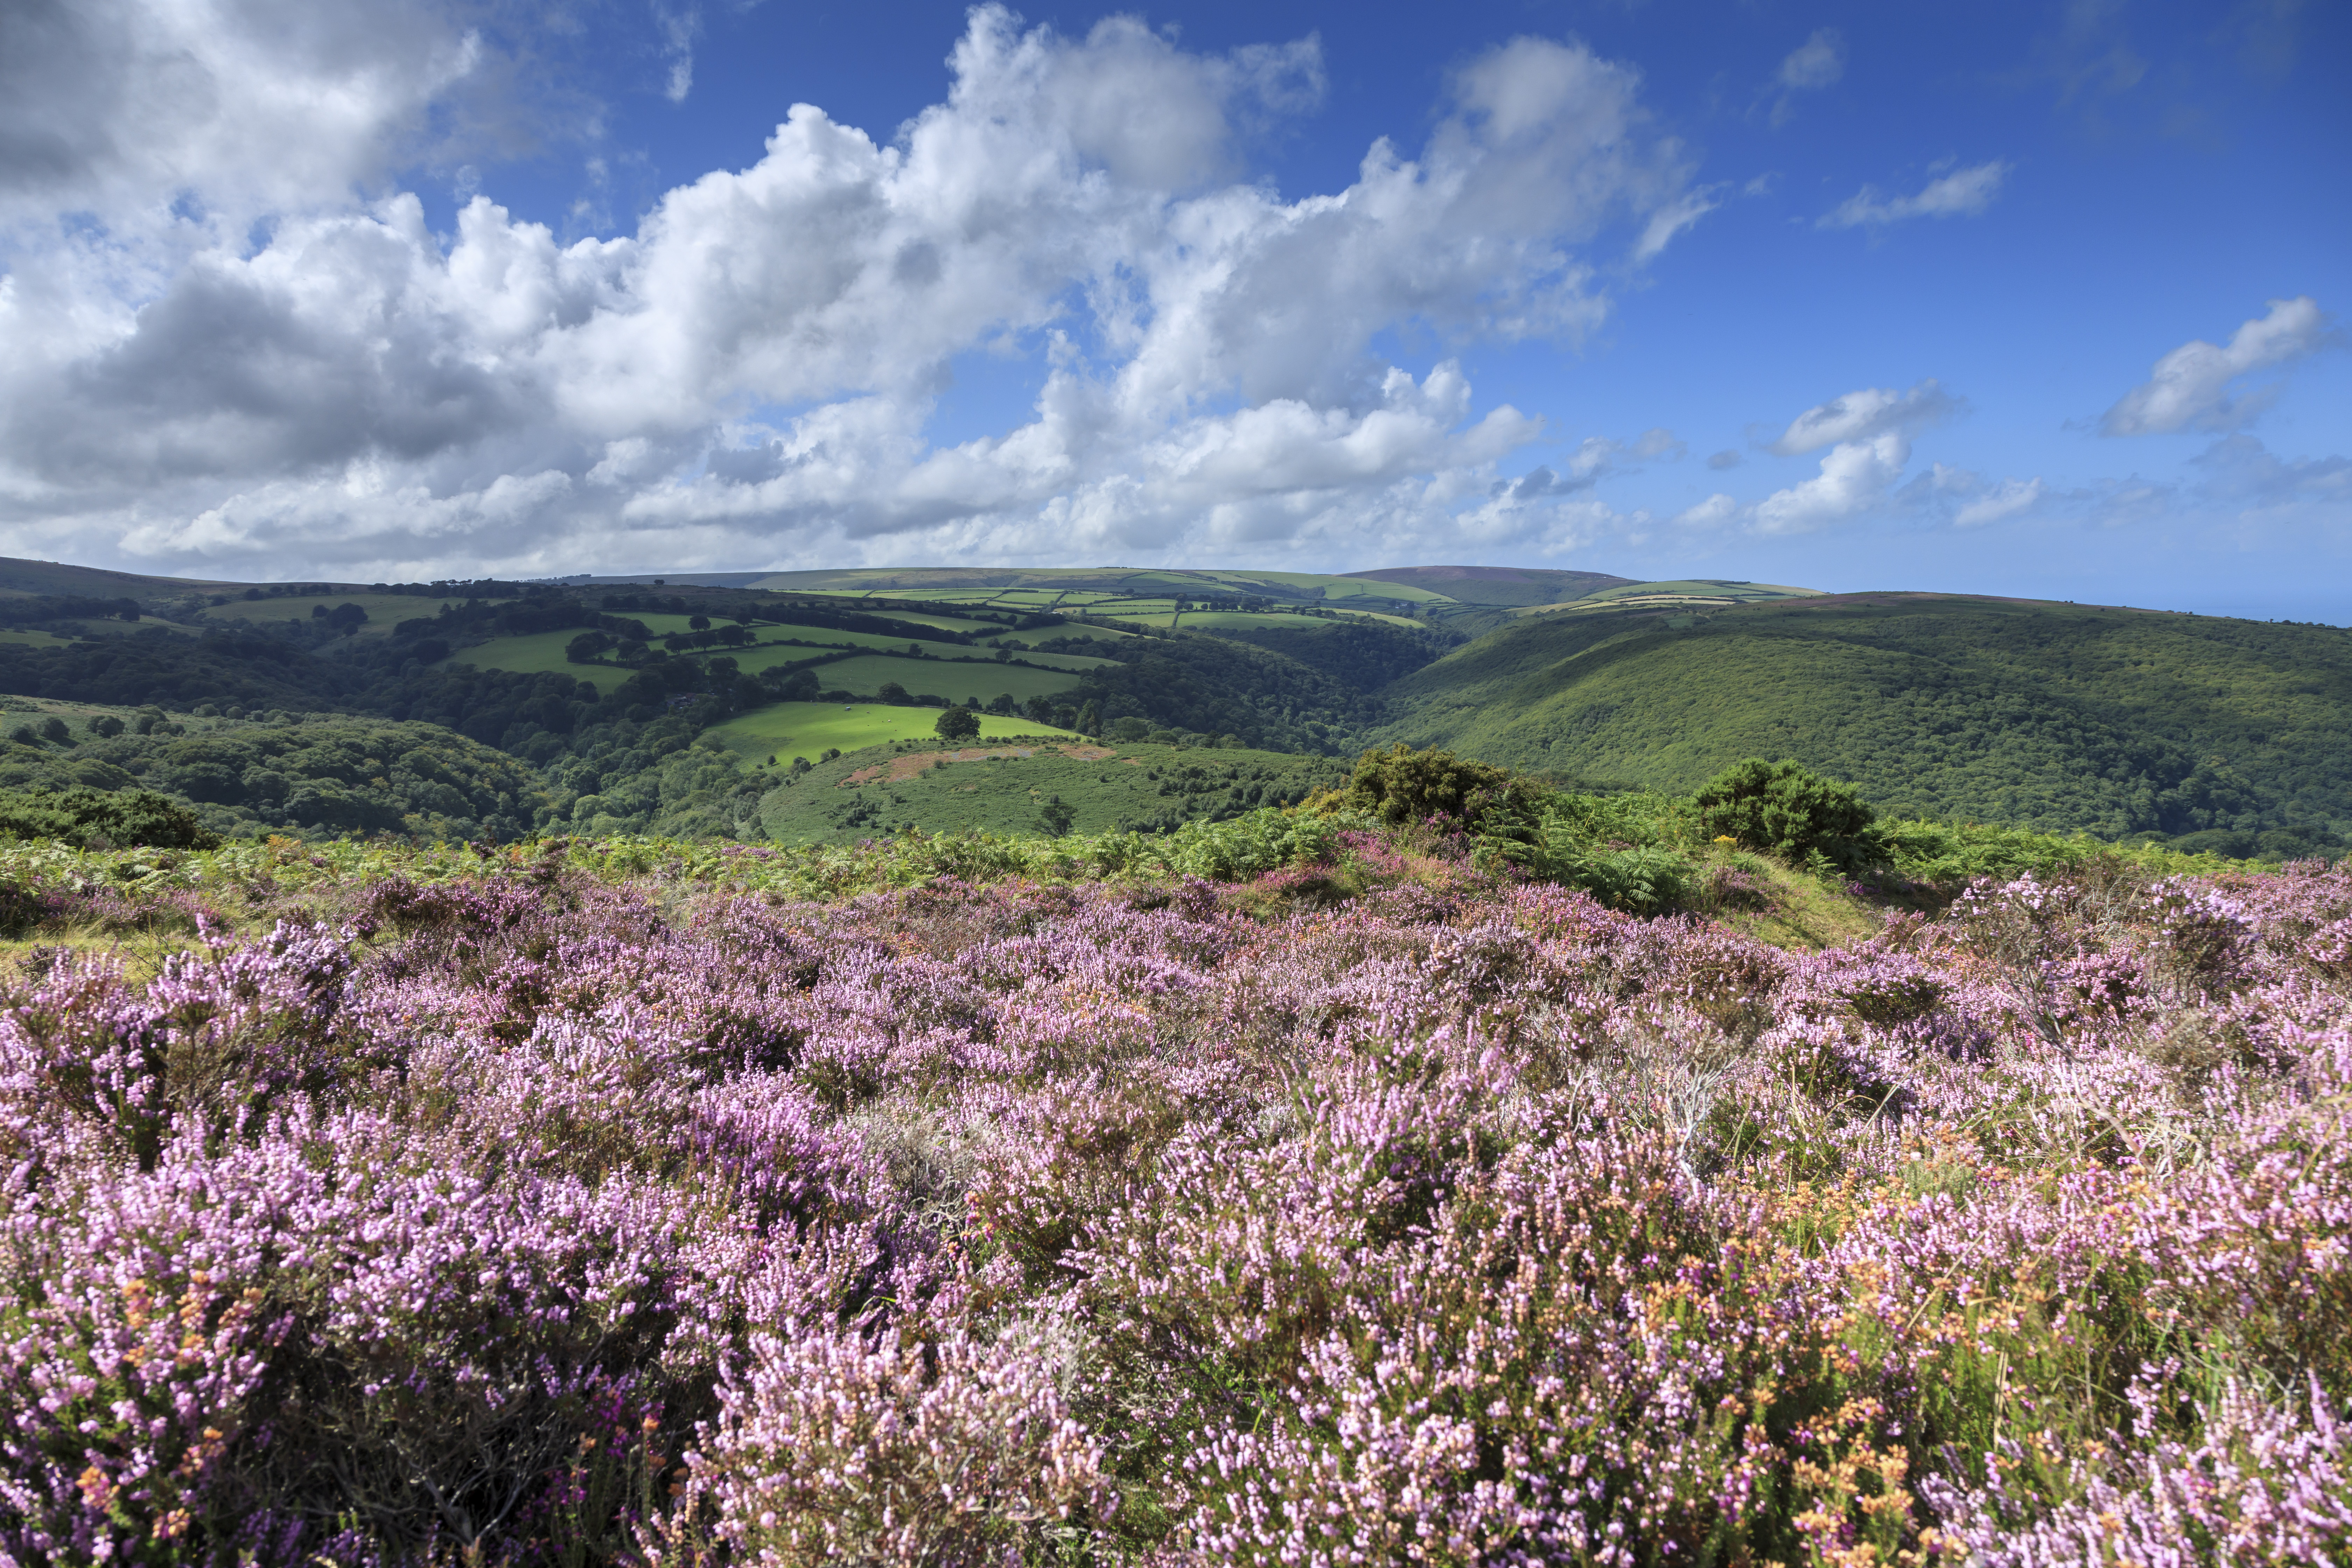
1818,62
747,379
2240,470
678,27
2190,384
1868,434
1671,220
2005,500
1856,476
1861,415
192,117
1964,192
1713,513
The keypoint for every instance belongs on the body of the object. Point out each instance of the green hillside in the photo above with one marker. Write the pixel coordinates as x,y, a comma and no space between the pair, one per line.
784,730
1007,787
1494,584
2046,715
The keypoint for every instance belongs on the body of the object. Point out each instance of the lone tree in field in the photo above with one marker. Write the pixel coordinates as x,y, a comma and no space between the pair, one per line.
957,724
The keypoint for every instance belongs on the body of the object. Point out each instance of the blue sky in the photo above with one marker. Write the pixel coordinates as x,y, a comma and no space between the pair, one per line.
2033,300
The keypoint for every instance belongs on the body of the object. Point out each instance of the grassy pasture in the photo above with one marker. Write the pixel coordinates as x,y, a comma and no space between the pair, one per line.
810,728
540,653
1111,636
944,623
938,677
1336,587
384,611
868,794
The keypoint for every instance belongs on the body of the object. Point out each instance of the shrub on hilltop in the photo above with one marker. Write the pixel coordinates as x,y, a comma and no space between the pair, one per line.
1789,811
94,818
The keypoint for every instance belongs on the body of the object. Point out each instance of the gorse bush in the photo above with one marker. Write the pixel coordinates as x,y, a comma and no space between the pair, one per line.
1789,812
1278,1191
95,818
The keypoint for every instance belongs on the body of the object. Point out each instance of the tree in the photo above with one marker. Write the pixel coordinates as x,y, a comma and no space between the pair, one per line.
1055,816
699,624
957,724
586,648
790,684
1789,811
892,692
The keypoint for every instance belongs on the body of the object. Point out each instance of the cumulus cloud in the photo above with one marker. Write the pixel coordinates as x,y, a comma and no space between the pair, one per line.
160,114
1862,415
1856,476
1964,192
1594,460
1727,458
2191,385
749,376
1868,435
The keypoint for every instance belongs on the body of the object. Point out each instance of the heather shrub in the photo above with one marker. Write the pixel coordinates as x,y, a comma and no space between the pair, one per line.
828,1449
1286,1190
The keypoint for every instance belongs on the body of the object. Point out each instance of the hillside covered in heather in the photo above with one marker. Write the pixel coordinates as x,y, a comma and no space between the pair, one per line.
1286,1190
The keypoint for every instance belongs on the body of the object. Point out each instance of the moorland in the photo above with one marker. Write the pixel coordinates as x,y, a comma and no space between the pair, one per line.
1446,1064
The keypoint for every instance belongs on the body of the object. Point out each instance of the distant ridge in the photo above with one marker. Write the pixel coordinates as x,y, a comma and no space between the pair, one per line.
17,576
1499,585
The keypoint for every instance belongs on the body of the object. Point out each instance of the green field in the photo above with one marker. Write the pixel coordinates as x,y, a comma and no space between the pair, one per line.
26,639
811,729
540,653
944,623
1334,587
1278,621
384,611
1140,786
936,678
1111,636
878,641
1713,590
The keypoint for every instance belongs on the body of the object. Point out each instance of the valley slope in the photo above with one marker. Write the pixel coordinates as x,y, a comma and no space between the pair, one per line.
2046,715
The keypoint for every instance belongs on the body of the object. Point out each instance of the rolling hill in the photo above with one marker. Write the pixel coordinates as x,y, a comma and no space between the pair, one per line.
2045,715
2053,716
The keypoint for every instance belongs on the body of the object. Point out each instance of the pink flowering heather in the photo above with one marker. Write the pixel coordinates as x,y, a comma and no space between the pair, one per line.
1376,1209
